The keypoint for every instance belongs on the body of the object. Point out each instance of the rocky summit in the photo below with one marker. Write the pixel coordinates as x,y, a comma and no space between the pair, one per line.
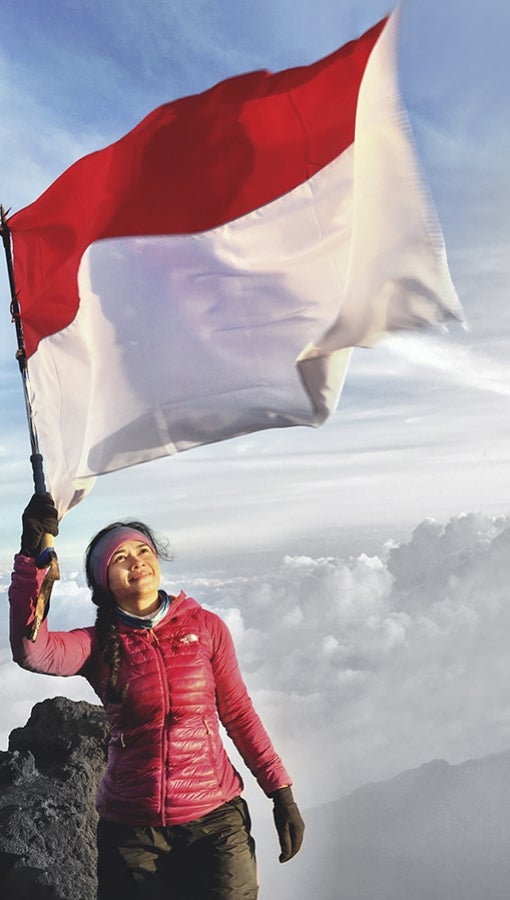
439,832
48,782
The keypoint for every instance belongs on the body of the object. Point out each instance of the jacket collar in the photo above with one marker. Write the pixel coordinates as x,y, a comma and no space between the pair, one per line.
176,606
146,621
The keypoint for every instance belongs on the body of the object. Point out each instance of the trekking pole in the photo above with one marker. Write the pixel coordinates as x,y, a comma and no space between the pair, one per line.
47,558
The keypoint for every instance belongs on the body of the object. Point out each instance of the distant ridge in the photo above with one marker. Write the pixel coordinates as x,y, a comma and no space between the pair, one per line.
439,832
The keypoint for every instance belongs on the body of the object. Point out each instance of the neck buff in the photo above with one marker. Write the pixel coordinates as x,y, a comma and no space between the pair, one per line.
106,547
146,621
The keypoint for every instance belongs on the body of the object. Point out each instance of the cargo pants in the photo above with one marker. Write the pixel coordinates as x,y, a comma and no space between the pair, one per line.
210,858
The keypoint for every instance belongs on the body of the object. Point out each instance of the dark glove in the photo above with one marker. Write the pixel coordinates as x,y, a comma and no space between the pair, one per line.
288,821
39,518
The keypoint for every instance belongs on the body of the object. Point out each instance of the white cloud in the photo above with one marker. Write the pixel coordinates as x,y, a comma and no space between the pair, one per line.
360,666
463,365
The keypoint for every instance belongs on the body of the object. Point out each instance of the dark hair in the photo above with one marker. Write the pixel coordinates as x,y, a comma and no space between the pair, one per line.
106,618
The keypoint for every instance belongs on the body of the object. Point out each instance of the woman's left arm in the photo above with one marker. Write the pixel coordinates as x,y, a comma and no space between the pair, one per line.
237,713
245,728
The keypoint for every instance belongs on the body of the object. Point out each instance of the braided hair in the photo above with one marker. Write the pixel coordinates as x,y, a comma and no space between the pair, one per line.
106,617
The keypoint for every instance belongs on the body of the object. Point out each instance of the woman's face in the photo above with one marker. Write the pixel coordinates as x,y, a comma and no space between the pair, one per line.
134,577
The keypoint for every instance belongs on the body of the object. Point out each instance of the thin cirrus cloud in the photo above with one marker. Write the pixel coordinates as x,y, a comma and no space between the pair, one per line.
463,365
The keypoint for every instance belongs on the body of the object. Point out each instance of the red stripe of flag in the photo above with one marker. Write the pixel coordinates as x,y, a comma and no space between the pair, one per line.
189,166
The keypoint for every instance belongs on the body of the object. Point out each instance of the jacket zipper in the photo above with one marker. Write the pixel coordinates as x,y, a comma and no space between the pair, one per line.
166,710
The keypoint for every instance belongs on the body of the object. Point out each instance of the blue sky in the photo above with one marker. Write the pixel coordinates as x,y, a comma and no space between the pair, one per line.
421,428
422,431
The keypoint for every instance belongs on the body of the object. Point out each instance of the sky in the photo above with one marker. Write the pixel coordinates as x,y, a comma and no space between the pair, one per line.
421,428
361,566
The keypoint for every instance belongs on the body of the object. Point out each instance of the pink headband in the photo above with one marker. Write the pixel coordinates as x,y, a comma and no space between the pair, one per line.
105,548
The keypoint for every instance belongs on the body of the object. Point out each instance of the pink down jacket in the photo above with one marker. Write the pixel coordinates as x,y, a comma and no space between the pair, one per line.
166,760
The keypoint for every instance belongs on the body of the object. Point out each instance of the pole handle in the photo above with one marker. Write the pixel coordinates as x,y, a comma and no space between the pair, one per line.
38,473
47,558
47,542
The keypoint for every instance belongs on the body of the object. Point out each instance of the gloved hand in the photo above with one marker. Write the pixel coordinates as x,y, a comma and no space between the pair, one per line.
39,518
288,821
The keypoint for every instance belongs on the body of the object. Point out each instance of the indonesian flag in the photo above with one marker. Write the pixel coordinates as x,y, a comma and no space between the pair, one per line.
206,275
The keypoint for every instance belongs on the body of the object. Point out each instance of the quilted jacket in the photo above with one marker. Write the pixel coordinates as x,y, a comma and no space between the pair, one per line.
166,760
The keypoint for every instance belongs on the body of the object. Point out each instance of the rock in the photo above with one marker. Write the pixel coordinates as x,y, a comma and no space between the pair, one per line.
48,782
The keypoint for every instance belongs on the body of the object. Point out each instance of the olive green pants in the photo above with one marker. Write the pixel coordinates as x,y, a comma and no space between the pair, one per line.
211,858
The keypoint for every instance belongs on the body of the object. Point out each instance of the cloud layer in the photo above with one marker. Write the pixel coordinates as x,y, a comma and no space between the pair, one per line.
360,666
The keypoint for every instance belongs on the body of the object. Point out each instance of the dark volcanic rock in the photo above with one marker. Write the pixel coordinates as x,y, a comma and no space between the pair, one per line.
48,783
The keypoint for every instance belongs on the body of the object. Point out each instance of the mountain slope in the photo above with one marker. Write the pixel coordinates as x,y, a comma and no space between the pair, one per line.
439,832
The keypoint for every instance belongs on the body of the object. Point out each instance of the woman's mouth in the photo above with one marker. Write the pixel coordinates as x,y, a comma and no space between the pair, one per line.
136,576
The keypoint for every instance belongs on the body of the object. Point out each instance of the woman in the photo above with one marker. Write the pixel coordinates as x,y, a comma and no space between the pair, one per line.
172,822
